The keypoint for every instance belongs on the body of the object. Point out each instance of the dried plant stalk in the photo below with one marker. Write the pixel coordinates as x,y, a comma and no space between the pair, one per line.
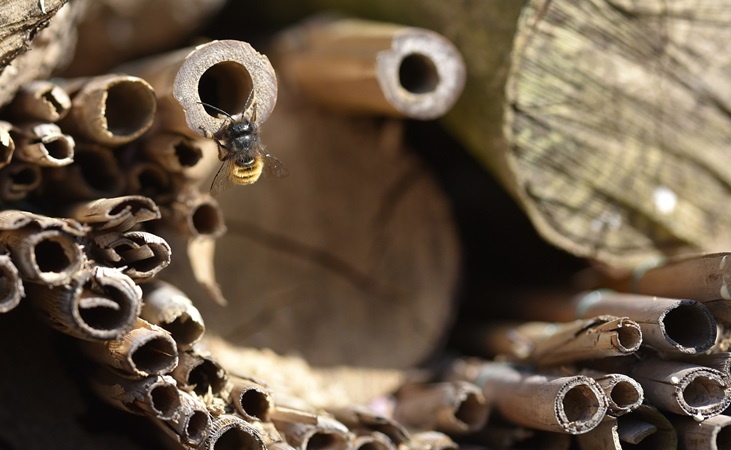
50,257
450,407
251,400
140,255
7,144
624,394
364,420
235,432
327,432
96,304
719,361
548,343
220,73
155,396
44,144
668,325
195,214
699,392
18,180
11,288
371,67
110,109
373,441
120,213
604,437
166,306
146,350
173,151
571,405
94,174
647,427
710,434
191,423
199,373
150,179
40,100
432,440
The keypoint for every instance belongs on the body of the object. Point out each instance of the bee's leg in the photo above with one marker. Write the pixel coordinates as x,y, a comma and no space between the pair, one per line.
222,152
207,133
253,113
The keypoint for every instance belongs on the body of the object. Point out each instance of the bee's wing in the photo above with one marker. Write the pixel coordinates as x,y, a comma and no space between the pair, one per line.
274,167
221,182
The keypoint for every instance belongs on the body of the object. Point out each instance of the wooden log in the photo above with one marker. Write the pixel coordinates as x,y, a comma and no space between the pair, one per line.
364,67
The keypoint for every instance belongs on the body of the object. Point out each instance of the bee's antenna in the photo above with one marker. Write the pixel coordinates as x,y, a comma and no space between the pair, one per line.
217,109
248,100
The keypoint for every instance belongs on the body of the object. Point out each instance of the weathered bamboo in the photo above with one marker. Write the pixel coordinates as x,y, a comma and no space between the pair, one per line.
624,394
326,432
96,304
119,213
604,437
361,67
220,73
94,174
40,100
691,390
549,343
710,434
11,287
373,441
362,419
229,432
18,180
451,407
501,436
251,400
648,427
719,361
704,278
44,144
44,250
571,405
110,109
156,396
432,440
173,151
146,350
171,309
151,180
7,144
668,325
199,373
191,423
196,214
138,254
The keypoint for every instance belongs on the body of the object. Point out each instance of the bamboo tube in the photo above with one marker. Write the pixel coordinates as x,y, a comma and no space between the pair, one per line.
571,405
431,440
96,304
648,428
624,394
40,100
191,423
358,418
229,432
220,73
11,288
110,109
166,306
18,180
325,433
120,213
704,278
173,151
94,174
373,441
604,437
156,396
150,179
7,143
452,407
197,215
251,400
370,67
199,373
146,350
44,144
138,254
547,343
710,434
50,257
668,325
501,436
719,361
699,392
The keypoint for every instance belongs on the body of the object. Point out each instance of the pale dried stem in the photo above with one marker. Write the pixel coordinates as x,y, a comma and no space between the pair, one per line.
326,432
166,306
40,100
44,144
364,420
251,400
138,254
370,67
173,151
11,288
624,394
18,180
110,109
199,373
229,432
191,424
155,396
120,213
711,434
94,174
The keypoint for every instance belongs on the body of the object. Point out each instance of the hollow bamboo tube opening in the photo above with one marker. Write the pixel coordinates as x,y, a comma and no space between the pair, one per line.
154,355
629,338
691,326
168,307
703,392
206,220
252,401
580,404
624,395
7,144
104,317
164,400
322,440
205,376
471,411
150,180
49,257
232,433
225,85
18,180
41,100
197,426
11,288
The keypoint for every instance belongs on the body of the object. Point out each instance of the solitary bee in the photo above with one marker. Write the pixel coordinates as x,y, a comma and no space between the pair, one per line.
240,149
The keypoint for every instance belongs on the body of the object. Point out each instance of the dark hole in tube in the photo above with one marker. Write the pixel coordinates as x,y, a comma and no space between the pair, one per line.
205,375
165,399
255,404
51,256
580,404
690,326
197,425
129,107
235,438
156,356
206,219
225,85
418,74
